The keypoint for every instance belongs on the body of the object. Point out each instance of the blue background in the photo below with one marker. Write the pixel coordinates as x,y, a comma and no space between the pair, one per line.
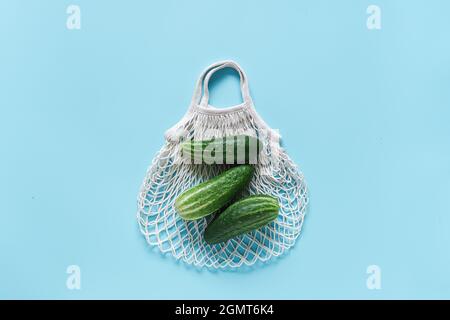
364,113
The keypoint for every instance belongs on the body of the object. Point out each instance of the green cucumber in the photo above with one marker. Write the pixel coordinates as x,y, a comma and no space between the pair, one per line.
243,216
240,149
209,196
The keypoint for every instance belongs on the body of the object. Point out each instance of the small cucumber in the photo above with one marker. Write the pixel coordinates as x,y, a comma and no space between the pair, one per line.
240,149
243,216
208,197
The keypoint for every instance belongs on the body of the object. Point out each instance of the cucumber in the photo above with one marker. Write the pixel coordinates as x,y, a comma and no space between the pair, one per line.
210,196
243,216
240,149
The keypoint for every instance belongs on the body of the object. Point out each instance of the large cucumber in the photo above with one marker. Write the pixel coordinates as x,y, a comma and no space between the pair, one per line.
240,149
243,216
210,196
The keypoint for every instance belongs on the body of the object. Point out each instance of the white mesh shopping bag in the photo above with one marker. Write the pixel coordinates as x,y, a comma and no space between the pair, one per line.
168,176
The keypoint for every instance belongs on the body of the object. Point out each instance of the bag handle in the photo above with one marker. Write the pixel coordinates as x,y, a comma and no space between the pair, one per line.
198,87
245,92
171,132
172,135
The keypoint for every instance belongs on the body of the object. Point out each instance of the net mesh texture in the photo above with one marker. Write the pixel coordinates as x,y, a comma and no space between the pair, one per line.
167,178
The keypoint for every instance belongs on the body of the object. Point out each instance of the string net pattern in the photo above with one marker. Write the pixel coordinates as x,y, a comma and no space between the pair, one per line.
167,178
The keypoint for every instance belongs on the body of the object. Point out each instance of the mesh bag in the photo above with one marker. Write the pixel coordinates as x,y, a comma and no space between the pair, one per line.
167,177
